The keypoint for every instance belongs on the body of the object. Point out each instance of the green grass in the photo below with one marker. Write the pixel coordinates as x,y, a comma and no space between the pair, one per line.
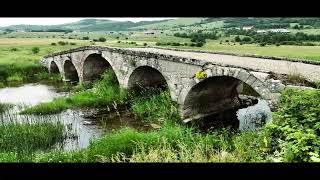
153,108
18,63
4,107
21,140
104,93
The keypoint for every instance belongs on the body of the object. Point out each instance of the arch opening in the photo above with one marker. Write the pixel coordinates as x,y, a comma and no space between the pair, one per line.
94,66
214,102
70,72
54,68
145,79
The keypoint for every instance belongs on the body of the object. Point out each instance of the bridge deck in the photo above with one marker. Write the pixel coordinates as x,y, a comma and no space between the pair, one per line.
309,71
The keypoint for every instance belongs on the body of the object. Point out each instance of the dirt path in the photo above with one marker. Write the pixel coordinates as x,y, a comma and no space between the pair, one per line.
309,71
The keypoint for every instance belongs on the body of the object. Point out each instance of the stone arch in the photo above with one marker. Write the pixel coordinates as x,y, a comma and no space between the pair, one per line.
94,66
218,91
53,67
146,76
70,71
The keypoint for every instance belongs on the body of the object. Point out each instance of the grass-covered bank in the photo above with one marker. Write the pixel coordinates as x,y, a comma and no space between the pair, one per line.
4,107
103,93
292,137
20,141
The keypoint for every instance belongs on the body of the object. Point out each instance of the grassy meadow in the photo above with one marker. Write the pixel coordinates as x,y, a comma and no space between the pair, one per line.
293,136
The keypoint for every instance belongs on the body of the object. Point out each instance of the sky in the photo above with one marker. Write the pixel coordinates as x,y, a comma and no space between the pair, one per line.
53,21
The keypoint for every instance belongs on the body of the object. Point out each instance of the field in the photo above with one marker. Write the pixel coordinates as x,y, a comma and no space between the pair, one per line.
293,136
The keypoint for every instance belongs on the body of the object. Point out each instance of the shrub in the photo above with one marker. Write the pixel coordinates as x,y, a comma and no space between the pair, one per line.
62,43
53,44
262,44
145,44
85,38
35,50
237,39
201,75
199,44
13,49
102,39
72,43
119,41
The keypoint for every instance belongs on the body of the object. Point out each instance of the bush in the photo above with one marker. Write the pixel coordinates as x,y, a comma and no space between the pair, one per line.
35,50
62,43
199,44
85,38
119,41
262,44
72,43
296,128
102,39
145,44
175,44
246,39
53,44
158,44
237,39
13,49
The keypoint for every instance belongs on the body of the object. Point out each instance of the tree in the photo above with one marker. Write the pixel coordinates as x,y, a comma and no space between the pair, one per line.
35,50
102,39
237,39
85,38
246,39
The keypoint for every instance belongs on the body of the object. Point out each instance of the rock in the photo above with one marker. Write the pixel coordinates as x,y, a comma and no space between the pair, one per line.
275,85
260,75
155,126
86,123
254,117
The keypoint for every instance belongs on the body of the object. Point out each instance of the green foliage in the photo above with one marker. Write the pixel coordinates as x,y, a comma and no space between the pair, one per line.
4,107
104,93
102,39
237,39
62,43
154,108
13,49
35,50
297,126
25,138
53,44
201,75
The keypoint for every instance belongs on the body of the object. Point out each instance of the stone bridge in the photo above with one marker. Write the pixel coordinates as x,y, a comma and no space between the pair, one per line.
201,87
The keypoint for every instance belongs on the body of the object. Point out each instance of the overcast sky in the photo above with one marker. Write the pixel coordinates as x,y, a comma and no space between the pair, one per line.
53,21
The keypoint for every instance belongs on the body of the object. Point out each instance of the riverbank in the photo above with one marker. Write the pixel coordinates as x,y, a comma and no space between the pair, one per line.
292,136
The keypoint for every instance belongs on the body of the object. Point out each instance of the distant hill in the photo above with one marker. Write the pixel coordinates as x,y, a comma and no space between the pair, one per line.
174,23
91,25
86,25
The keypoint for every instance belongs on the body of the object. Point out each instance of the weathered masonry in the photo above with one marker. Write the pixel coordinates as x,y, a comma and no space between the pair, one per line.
200,87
